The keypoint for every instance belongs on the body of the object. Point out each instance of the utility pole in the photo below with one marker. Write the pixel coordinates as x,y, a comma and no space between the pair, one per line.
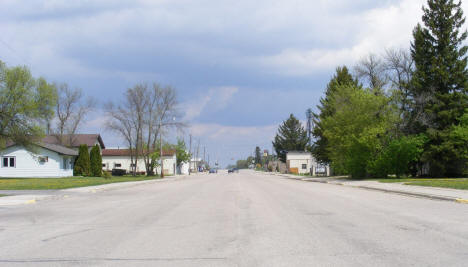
310,125
191,156
198,151
204,151
161,150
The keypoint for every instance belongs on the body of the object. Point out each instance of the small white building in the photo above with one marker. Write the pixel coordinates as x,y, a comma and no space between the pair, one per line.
120,159
183,168
194,164
47,160
303,162
299,162
169,163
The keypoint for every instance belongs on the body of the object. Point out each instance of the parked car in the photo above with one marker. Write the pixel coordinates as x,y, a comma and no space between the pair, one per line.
213,171
233,170
118,172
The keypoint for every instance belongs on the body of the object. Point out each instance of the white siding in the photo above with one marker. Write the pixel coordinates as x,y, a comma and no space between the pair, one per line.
110,161
297,160
28,164
169,165
183,168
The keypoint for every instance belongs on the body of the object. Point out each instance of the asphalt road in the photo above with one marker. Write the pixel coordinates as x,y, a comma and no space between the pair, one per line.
244,219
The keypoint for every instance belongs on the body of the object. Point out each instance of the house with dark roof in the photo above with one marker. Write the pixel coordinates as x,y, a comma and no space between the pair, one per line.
53,156
121,159
43,160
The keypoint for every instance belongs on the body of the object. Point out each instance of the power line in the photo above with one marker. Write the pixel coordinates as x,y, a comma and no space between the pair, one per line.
15,52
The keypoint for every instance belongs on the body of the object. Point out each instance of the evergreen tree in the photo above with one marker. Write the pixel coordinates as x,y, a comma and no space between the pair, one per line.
96,161
439,86
258,156
341,77
82,162
291,136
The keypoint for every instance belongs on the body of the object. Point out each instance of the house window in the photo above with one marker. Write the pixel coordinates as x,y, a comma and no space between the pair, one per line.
103,165
9,162
117,165
65,163
304,166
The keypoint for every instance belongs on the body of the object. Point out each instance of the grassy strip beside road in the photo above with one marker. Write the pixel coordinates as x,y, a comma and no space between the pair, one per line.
63,183
460,183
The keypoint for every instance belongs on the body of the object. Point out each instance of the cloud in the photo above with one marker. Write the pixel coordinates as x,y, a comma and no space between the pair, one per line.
376,30
280,53
214,100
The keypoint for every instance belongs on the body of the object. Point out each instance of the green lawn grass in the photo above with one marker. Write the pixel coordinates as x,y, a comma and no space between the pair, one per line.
63,183
455,183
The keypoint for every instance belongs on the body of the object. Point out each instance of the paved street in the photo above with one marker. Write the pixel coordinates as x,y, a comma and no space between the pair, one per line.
243,219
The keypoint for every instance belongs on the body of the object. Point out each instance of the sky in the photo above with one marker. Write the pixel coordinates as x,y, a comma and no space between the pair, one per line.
239,67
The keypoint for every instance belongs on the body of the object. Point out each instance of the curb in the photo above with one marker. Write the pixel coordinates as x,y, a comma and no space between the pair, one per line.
33,199
406,193
115,186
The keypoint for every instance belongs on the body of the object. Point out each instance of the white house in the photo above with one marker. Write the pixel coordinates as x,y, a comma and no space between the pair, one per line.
120,159
47,160
303,162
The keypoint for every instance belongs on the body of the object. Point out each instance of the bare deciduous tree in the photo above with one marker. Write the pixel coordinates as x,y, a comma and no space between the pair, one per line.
140,119
121,121
400,66
371,70
162,114
71,110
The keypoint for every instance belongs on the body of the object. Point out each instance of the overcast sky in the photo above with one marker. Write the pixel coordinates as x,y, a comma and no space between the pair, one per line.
240,67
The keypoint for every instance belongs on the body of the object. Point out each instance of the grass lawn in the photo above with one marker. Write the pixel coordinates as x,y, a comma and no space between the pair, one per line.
455,183
63,183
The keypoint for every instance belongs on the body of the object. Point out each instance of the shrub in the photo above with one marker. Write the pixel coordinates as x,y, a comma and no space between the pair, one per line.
96,161
399,154
106,175
82,162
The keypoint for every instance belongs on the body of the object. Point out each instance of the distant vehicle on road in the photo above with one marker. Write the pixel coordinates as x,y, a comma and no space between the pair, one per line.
213,171
233,170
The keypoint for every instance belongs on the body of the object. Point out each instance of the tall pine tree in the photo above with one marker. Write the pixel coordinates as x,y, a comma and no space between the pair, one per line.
258,155
96,161
82,162
291,136
341,77
439,85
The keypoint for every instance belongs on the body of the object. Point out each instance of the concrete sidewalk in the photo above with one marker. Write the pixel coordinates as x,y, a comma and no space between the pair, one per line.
436,193
21,197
